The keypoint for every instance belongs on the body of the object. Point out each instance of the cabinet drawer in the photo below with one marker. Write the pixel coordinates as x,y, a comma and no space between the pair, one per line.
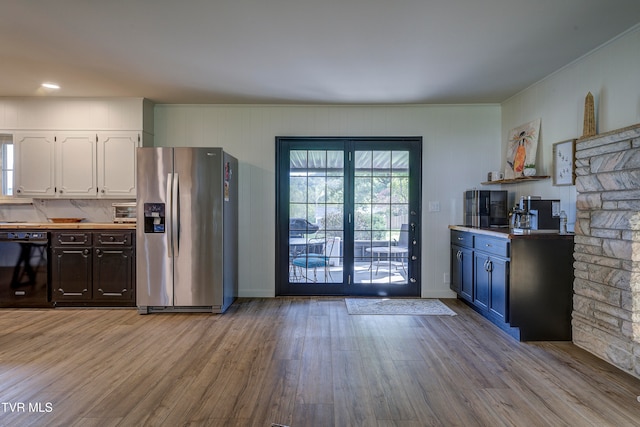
114,238
493,246
71,238
461,238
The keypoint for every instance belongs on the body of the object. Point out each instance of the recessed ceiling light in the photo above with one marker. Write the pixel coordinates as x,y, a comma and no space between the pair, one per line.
51,85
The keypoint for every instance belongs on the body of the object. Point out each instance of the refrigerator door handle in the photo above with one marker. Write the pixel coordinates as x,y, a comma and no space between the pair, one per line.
175,216
169,231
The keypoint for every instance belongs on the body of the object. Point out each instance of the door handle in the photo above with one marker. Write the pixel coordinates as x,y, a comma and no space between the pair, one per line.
175,214
169,202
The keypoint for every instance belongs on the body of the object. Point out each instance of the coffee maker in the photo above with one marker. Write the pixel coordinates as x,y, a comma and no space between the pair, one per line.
535,213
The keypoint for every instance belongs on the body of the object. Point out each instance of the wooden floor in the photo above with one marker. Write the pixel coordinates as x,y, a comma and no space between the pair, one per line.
296,362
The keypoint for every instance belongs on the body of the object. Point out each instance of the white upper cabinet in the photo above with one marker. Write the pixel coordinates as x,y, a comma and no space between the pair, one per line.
34,164
76,164
117,164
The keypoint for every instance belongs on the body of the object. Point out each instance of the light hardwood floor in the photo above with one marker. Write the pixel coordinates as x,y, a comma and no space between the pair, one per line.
297,362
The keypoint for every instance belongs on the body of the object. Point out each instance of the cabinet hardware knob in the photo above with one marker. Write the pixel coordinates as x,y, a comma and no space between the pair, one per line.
413,258
72,238
112,238
86,252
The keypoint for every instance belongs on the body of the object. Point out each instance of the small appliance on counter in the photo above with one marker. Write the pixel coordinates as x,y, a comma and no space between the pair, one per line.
485,208
124,212
536,214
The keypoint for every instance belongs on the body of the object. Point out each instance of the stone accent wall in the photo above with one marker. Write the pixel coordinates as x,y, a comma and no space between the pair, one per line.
606,304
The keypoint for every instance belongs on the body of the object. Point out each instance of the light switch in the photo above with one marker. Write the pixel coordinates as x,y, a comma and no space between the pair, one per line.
434,206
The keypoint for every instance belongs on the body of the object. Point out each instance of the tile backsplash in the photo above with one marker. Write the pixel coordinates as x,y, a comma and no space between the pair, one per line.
43,209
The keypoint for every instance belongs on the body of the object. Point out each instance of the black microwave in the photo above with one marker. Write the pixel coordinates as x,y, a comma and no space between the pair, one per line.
486,208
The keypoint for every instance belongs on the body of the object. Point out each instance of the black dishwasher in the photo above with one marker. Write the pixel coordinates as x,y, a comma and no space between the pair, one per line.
24,268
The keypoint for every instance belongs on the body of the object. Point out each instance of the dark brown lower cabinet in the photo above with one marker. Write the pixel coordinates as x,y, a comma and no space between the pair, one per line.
71,266
93,268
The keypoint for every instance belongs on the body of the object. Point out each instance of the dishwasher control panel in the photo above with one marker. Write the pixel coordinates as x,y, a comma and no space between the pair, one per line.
24,235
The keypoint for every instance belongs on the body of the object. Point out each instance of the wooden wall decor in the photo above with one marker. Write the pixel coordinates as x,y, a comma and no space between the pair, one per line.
589,128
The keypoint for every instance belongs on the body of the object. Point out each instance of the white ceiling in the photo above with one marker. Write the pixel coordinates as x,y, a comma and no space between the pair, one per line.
299,51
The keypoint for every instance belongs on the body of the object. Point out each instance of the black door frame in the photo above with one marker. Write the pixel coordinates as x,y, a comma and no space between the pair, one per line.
348,145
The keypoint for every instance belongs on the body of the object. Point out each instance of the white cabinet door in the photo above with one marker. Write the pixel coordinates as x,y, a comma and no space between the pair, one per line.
117,164
76,164
34,164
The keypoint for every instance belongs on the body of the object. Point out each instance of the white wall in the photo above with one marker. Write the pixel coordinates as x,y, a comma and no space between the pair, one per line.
460,145
610,73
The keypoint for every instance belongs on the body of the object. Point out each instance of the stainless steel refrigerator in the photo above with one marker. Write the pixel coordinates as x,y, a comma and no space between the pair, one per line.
186,229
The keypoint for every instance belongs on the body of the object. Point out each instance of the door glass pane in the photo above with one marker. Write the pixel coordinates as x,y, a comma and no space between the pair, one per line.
381,207
316,216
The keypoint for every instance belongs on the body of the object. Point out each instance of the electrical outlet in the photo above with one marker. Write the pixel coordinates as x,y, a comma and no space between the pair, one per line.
446,278
434,206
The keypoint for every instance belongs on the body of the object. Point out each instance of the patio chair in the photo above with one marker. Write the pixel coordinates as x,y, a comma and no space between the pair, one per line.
314,261
399,249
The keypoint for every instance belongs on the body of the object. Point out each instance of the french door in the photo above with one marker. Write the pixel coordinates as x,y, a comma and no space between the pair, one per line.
348,216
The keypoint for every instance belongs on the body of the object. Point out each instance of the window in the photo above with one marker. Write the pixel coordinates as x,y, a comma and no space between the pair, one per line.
6,163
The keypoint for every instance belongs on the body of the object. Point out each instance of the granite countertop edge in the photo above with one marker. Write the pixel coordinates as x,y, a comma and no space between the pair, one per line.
507,233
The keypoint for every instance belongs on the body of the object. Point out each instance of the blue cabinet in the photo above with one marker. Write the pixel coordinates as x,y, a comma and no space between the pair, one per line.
491,276
461,272
523,284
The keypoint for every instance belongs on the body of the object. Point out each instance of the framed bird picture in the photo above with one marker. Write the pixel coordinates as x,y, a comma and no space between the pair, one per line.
564,167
